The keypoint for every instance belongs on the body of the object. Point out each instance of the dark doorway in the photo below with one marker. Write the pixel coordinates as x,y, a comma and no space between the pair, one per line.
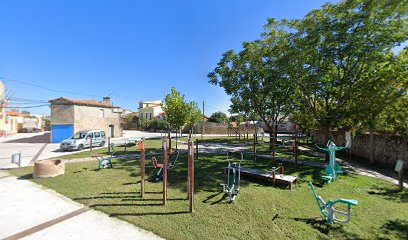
111,130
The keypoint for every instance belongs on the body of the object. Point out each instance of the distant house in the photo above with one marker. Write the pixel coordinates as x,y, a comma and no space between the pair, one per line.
150,110
32,123
3,104
69,116
14,121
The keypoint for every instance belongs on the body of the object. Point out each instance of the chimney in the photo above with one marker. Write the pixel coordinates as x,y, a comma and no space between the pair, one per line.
107,100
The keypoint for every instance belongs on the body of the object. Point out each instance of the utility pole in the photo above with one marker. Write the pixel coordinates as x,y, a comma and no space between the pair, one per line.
202,124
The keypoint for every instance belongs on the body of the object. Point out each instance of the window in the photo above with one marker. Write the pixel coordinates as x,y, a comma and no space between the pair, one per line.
101,113
146,115
97,135
150,116
90,135
103,134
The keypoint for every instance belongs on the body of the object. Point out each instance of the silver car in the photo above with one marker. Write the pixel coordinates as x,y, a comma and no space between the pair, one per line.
83,139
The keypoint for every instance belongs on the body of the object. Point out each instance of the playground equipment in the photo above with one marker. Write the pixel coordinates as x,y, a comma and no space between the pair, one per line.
232,190
190,178
328,210
105,162
156,164
270,176
333,169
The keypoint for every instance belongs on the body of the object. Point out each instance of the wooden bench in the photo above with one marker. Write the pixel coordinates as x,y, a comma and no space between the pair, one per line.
266,176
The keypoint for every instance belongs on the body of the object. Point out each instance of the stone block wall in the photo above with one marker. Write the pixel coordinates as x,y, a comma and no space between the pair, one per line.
387,148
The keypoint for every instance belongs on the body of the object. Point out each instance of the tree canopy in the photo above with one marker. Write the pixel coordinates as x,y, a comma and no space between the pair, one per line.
333,68
176,109
218,117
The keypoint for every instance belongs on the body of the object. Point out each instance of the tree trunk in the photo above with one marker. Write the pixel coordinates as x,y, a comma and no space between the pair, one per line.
272,140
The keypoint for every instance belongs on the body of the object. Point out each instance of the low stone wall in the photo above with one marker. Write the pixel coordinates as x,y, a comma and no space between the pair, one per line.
212,128
387,148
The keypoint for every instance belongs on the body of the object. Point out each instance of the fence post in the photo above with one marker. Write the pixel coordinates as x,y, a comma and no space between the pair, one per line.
165,166
255,147
143,166
90,149
196,157
109,148
191,174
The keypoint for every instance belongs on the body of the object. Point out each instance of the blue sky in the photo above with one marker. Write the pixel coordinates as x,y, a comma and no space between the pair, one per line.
133,50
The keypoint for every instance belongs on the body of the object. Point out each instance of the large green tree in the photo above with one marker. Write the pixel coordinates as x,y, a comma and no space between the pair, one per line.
257,78
218,117
336,47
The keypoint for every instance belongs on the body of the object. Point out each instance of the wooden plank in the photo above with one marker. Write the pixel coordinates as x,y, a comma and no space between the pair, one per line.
267,176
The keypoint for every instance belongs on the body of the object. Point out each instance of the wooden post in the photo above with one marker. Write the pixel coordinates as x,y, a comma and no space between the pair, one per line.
191,174
109,150
296,146
401,179
169,138
165,166
143,166
255,147
274,176
90,149
196,157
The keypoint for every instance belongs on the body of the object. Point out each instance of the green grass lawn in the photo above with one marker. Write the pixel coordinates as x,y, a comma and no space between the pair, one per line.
260,211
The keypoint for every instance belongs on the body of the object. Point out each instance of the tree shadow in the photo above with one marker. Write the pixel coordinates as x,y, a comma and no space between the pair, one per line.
390,193
397,227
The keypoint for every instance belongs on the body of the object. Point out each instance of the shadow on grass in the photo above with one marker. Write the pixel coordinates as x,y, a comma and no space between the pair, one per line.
125,205
26,177
397,227
147,214
390,193
325,228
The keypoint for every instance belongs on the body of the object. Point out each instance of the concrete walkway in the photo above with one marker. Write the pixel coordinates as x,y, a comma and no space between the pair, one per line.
29,211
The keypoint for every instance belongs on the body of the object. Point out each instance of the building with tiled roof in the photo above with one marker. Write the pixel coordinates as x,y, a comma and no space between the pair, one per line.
69,116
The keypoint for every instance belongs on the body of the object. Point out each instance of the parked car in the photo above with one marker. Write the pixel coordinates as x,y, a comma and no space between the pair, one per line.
82,139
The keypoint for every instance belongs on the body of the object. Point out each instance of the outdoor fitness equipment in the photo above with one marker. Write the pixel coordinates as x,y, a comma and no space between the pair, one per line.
333,169
232,190
105,162
190,178
328,210
156,164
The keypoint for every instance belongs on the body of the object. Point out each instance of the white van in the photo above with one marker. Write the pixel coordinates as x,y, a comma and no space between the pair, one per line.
82,139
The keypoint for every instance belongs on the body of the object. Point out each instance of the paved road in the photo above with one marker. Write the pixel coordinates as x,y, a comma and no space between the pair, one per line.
29,211
36,146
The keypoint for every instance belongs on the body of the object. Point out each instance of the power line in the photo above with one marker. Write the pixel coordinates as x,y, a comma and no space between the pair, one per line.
68,92
26,100
28,106
49,89
25,103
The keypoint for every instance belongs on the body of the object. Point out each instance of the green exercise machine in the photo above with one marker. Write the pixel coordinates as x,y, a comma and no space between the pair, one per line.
105,162
232,186
333,169
329,212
